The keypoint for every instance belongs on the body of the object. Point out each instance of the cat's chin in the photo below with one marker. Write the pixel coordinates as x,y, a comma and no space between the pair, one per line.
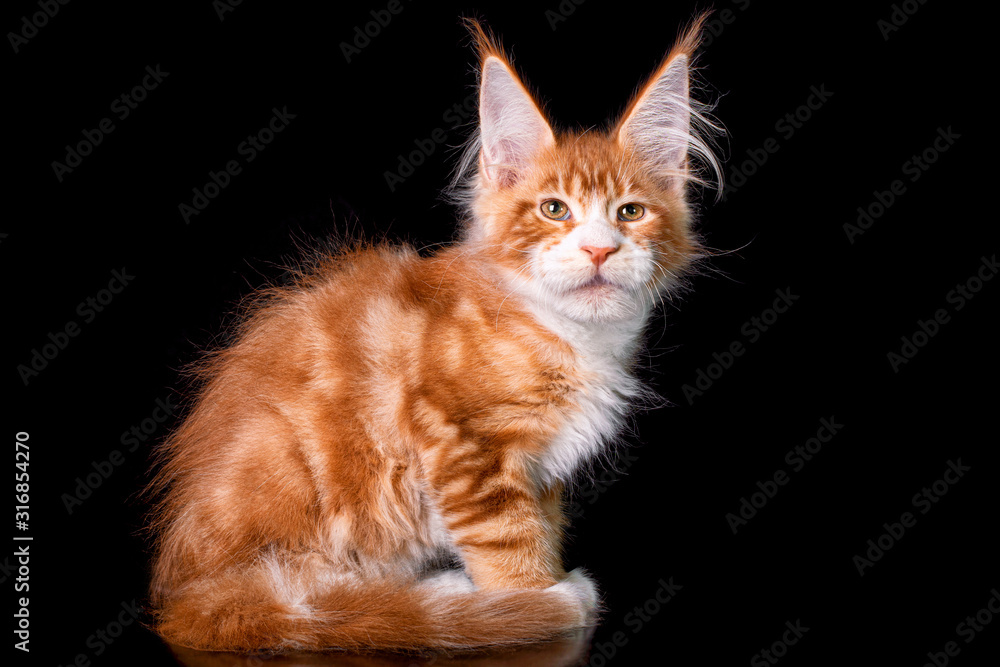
595,300
599,300
598,285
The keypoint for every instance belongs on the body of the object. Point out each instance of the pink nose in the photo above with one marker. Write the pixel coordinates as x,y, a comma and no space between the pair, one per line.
597,255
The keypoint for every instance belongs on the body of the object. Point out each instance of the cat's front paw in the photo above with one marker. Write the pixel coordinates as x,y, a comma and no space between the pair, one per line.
580,592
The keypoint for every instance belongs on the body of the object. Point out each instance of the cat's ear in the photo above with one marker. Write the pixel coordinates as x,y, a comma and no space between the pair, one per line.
512,126
657,125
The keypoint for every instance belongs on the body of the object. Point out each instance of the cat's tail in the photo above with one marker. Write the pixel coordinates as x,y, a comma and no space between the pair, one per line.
259,611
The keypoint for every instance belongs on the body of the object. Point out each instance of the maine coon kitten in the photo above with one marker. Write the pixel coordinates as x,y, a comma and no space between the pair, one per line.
388,411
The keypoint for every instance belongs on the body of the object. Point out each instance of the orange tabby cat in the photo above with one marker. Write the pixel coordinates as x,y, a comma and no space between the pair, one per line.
388,412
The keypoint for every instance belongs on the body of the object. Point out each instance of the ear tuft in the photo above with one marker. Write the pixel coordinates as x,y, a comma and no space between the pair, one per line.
665,127
512,126
483,40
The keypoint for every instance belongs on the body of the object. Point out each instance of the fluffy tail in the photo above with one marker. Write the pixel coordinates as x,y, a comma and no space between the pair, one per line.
259,611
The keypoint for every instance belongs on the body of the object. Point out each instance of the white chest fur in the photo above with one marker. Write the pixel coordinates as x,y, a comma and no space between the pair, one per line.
603,352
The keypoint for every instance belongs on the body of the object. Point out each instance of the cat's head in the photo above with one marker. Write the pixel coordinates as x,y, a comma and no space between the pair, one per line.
592,224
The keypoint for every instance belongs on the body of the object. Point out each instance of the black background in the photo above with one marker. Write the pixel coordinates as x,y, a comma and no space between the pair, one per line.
691,462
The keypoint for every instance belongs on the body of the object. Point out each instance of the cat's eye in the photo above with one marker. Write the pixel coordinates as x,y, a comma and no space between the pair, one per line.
631,212
555,209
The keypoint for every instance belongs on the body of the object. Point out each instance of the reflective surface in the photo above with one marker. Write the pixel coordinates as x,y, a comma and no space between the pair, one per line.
567,652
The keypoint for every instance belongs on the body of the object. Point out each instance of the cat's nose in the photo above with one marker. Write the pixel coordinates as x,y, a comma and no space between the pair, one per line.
598,255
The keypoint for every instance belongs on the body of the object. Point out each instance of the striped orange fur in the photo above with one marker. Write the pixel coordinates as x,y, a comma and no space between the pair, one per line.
388,414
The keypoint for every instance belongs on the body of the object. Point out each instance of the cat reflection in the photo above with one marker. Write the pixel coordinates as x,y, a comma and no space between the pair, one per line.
566,652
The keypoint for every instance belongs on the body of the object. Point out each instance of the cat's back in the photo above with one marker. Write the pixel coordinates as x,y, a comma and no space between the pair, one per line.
386,292
384,289
368,309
